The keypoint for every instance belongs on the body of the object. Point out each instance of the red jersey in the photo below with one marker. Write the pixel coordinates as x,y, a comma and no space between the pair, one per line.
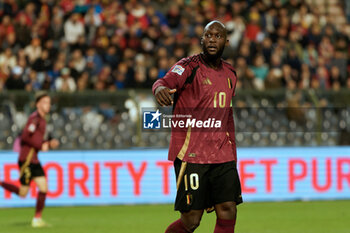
205,93
32,138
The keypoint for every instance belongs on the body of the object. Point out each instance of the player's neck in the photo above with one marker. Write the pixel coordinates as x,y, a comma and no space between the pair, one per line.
41,113
212,62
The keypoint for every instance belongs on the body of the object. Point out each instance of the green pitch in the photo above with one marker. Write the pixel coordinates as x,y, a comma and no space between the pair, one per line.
277,217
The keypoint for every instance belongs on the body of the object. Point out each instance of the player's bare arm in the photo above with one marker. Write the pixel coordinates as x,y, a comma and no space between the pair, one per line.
163,96
54,143
45,146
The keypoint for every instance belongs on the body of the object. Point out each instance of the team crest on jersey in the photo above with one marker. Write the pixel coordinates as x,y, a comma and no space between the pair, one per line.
31,128
178,69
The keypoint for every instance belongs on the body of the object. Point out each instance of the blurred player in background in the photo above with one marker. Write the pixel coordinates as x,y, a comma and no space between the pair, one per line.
32,141
204,161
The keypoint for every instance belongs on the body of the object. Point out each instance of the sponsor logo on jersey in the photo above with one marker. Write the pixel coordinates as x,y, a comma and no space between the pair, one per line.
178,69
207,81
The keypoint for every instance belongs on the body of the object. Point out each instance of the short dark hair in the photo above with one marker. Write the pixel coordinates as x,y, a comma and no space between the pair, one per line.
39,95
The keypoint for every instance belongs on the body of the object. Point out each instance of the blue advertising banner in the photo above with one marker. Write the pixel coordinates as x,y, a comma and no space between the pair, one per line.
145,176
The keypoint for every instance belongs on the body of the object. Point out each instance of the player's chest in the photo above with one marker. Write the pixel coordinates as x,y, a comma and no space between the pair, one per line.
210,82
41,127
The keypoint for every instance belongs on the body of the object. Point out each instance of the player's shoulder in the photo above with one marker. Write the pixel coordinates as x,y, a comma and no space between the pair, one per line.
229,67
191,60
34,117
187,64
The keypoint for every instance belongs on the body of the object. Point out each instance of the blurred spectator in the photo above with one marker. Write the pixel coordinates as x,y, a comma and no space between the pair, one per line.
273,80
83,82
10,7
6,28
55,72
111,57
260,71
152,76
7,63
73,28
56,27
326,49
43,63
78,61
305,77
289,75
15,82
322,77
94,62
173,16
22,31
104,79
253,29
65,82
137,16
47,82
33,50
122,77
33,83
293,60
310,55
52,50
335,77
246,78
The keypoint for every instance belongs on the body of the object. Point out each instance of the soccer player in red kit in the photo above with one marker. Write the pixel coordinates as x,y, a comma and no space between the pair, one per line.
32,141
204,160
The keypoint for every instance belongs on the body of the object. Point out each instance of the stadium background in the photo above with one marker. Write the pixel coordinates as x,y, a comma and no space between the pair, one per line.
99,59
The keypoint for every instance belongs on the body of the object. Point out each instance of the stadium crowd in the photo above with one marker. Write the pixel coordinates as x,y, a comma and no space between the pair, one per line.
70,46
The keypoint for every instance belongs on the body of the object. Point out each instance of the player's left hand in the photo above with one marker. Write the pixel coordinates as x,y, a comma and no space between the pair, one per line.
54,143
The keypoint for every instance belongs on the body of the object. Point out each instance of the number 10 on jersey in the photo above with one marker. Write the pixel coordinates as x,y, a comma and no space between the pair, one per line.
220,99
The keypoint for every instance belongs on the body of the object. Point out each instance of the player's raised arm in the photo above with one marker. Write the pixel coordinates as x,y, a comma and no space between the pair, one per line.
173,81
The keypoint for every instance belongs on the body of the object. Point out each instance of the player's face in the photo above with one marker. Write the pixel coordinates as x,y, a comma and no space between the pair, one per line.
214,40
44,105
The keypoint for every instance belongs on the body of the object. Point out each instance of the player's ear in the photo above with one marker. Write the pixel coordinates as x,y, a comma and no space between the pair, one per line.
201,40
226,43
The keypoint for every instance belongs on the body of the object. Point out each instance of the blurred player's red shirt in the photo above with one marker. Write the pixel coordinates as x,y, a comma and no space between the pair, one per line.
207,94
32,137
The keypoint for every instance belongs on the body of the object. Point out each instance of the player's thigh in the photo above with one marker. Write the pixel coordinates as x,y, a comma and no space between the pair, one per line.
41,182
39,177
192,193
225,184
23,190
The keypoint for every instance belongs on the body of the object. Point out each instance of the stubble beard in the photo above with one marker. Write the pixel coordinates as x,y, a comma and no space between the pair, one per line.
214,56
